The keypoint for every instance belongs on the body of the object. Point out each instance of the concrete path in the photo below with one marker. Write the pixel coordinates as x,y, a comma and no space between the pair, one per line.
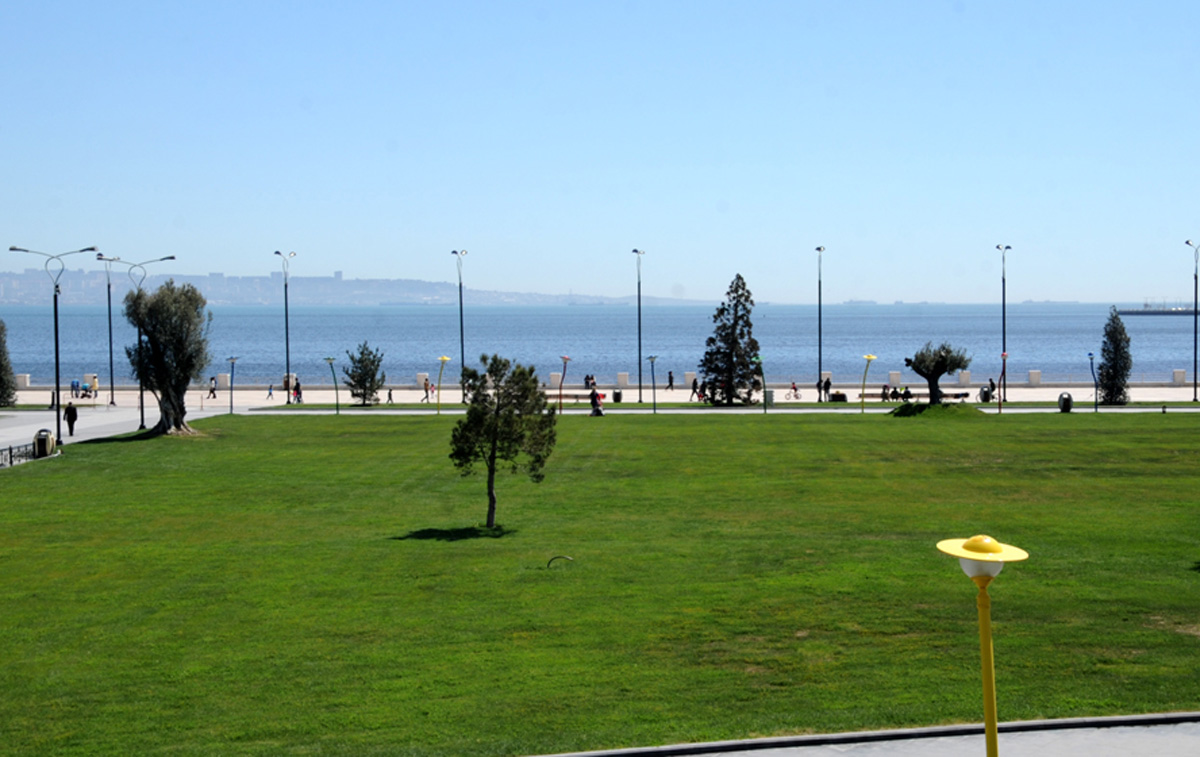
1172,735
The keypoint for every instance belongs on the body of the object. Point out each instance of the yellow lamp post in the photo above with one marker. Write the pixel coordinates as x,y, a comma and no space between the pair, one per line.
982,559
443,360
862,395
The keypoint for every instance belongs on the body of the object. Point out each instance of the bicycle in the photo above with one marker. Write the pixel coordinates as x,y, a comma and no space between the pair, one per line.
792,394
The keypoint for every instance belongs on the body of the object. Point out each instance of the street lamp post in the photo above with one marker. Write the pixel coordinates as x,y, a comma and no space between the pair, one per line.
653,385
862,395
562,379
982,558
820,373
54,277
108,279
443,360
1003,380
462,342
1195,312
287,342
1003,248
639,254
137,283
1095,383
232,369
337,403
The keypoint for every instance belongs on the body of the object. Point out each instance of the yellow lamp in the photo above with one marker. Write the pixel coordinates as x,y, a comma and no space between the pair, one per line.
443,360
982,558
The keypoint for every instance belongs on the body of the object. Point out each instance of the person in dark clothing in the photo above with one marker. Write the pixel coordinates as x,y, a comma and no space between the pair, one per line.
828,387
670,381
70,415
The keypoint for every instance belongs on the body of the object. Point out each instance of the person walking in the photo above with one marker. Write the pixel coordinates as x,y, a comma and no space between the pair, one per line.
426,398
271,392
212,388
70,415
670,381
828,387
695,389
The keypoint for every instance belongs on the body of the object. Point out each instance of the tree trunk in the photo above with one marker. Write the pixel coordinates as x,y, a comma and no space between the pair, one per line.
491,484
935,394
172,411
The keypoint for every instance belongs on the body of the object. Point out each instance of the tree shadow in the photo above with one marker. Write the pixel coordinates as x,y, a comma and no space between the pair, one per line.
456,534
139,436
1196,567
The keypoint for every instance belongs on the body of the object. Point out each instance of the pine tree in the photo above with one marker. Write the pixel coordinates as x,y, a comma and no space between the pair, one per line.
1116,362
730,367
8,382
365,376
508,421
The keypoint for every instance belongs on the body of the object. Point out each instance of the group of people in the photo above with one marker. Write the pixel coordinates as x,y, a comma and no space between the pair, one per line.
823,389
82,389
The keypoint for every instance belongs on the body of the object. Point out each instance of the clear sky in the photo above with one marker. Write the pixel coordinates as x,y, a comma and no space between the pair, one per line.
550,139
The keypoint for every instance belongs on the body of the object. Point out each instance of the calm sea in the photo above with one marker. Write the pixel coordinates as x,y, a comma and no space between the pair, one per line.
602,340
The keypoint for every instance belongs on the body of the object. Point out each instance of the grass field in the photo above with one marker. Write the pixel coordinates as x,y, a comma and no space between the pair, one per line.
305,585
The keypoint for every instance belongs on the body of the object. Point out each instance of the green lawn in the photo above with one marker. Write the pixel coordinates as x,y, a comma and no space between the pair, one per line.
315,585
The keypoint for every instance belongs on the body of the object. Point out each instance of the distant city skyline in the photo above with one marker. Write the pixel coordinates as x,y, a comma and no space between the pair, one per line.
550,140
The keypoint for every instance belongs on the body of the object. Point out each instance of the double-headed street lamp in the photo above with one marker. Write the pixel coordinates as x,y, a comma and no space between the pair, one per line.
819,371
137,283
639,254
462,341
1195,311
287,342
54,277
1003,248
108,279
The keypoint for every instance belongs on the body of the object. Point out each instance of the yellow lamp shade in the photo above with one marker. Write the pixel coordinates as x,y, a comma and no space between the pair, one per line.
983,548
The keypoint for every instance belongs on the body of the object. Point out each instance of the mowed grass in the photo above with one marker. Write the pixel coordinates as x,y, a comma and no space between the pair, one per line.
314,585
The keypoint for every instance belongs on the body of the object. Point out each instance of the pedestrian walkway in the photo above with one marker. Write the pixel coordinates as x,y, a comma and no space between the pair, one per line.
1170,735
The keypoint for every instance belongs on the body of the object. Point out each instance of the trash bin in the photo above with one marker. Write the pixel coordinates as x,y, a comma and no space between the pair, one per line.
985,394
769,397
616,395
43,443
1065,402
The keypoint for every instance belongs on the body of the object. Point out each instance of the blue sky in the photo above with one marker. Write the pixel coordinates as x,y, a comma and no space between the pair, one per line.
550,139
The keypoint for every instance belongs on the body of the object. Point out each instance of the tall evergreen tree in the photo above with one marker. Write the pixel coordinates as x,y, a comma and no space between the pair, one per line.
173,352
729,365
365,374
1116,362
8,382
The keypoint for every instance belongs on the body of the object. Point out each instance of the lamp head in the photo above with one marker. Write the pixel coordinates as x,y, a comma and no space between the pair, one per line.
981,555
820,249
329,360
232,360
444,359
1003,247
869,358
459,253
1188,243
22,249
652,358
639,252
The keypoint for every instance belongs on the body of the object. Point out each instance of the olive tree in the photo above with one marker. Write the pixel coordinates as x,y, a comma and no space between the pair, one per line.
931,363
364,375
1116,362
508,421
730,365
172,350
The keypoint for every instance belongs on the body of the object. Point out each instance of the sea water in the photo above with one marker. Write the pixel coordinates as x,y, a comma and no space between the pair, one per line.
1054,338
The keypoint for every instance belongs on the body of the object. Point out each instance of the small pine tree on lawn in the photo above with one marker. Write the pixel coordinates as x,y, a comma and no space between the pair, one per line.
1116,362
8,382
365,376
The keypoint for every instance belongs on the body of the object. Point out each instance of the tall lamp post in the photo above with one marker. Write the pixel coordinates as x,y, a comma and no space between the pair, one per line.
653,385
1195,312
820,373
1095,383
462,342
232,368
1003,248
982,558
639,254
108,279
287,341
337,403
137,283
54,277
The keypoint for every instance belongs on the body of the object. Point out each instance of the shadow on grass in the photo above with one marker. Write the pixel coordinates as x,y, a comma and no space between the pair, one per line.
1196,567
456,534
139,436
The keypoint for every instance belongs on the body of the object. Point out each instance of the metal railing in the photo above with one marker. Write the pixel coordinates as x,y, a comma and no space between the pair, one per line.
19,453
